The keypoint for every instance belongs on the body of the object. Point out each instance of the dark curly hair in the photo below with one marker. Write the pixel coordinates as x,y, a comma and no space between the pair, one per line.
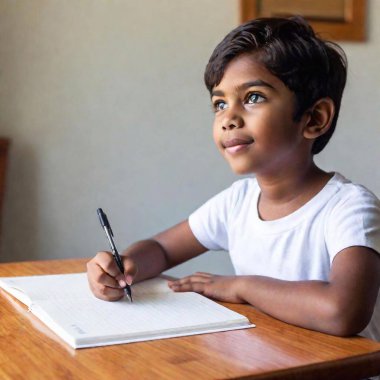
288,47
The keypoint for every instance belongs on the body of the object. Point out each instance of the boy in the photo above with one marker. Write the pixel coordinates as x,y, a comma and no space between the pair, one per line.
304,243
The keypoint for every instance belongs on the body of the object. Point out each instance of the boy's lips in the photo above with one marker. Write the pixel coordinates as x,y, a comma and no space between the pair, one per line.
236,144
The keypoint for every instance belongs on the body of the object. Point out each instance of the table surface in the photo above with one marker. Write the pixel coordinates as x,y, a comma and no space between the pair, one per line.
272,350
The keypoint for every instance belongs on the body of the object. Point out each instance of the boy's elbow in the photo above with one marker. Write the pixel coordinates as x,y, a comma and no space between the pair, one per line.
344,328
346,320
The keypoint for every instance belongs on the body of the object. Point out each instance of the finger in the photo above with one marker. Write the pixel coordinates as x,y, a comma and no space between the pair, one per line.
108,294
96,272
107,263
130,270
105,279
197,287
97,275
204,274
192,279
104,286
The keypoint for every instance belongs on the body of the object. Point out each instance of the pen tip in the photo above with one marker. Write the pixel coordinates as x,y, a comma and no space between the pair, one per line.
129,296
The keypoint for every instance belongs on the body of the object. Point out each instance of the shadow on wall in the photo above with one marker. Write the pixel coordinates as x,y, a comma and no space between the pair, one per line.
19,233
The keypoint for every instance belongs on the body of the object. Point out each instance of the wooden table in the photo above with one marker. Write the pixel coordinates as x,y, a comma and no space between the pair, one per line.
272,350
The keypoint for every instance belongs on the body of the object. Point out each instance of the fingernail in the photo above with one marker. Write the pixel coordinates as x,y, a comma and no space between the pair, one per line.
122,283
129,279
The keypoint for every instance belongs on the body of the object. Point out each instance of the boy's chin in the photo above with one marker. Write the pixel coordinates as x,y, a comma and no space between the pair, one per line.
241,170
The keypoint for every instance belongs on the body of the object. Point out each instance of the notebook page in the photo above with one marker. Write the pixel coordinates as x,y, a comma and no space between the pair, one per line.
44,287
66,305
95,321
15,291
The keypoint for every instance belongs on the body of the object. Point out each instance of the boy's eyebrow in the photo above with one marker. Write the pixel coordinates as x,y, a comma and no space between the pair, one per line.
255,83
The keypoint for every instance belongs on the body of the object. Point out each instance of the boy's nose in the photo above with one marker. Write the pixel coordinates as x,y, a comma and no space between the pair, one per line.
232,122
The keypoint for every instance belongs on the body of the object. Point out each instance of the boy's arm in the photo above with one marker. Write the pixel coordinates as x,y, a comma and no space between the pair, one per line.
342,306
144,259
164,251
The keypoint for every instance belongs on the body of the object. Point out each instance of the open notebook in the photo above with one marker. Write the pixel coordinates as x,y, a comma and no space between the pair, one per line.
66,305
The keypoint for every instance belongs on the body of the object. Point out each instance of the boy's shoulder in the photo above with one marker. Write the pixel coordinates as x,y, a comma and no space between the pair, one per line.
347,190
350,201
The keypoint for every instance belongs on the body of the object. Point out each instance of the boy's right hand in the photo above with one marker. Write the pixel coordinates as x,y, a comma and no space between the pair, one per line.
105,279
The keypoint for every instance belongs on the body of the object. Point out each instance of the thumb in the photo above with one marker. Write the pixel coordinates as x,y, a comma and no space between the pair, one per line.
130,271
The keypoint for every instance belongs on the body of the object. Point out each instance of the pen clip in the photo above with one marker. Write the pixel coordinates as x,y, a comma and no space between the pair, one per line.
104,220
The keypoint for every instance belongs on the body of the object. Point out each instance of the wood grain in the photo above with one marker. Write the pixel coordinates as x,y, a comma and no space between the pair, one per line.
272,350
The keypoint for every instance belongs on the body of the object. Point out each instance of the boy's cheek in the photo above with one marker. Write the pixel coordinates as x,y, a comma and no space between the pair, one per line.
217,141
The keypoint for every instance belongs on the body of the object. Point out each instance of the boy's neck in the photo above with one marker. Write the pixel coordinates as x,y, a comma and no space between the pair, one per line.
285,193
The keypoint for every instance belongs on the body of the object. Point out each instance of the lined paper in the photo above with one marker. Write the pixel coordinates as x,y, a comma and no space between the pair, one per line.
66,304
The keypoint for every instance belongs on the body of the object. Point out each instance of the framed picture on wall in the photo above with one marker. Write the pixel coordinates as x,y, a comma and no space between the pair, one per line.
331,19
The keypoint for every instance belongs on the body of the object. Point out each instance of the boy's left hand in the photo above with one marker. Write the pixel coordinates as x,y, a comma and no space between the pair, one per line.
221,288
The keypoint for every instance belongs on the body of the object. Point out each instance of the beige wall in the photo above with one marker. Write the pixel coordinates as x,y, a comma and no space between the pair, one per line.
105,105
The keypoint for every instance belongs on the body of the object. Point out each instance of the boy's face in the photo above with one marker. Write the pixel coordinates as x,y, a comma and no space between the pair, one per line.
253,126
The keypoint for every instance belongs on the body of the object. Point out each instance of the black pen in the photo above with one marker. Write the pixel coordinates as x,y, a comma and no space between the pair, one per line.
108,230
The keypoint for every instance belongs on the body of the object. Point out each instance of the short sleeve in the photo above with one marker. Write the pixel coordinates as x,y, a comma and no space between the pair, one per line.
209,223
354,221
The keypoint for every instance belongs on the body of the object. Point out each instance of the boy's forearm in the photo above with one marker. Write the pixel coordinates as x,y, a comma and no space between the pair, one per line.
150,258
164,251
309,304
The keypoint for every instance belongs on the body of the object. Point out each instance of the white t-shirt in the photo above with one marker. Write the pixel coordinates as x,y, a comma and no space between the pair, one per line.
299,246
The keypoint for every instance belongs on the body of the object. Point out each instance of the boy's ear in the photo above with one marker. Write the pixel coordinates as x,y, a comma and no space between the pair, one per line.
319,118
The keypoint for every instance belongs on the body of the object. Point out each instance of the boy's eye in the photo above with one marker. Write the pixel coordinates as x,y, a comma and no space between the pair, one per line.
220,105
255,98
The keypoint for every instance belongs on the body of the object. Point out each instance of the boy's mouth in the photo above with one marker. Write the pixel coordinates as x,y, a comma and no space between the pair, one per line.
236,145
